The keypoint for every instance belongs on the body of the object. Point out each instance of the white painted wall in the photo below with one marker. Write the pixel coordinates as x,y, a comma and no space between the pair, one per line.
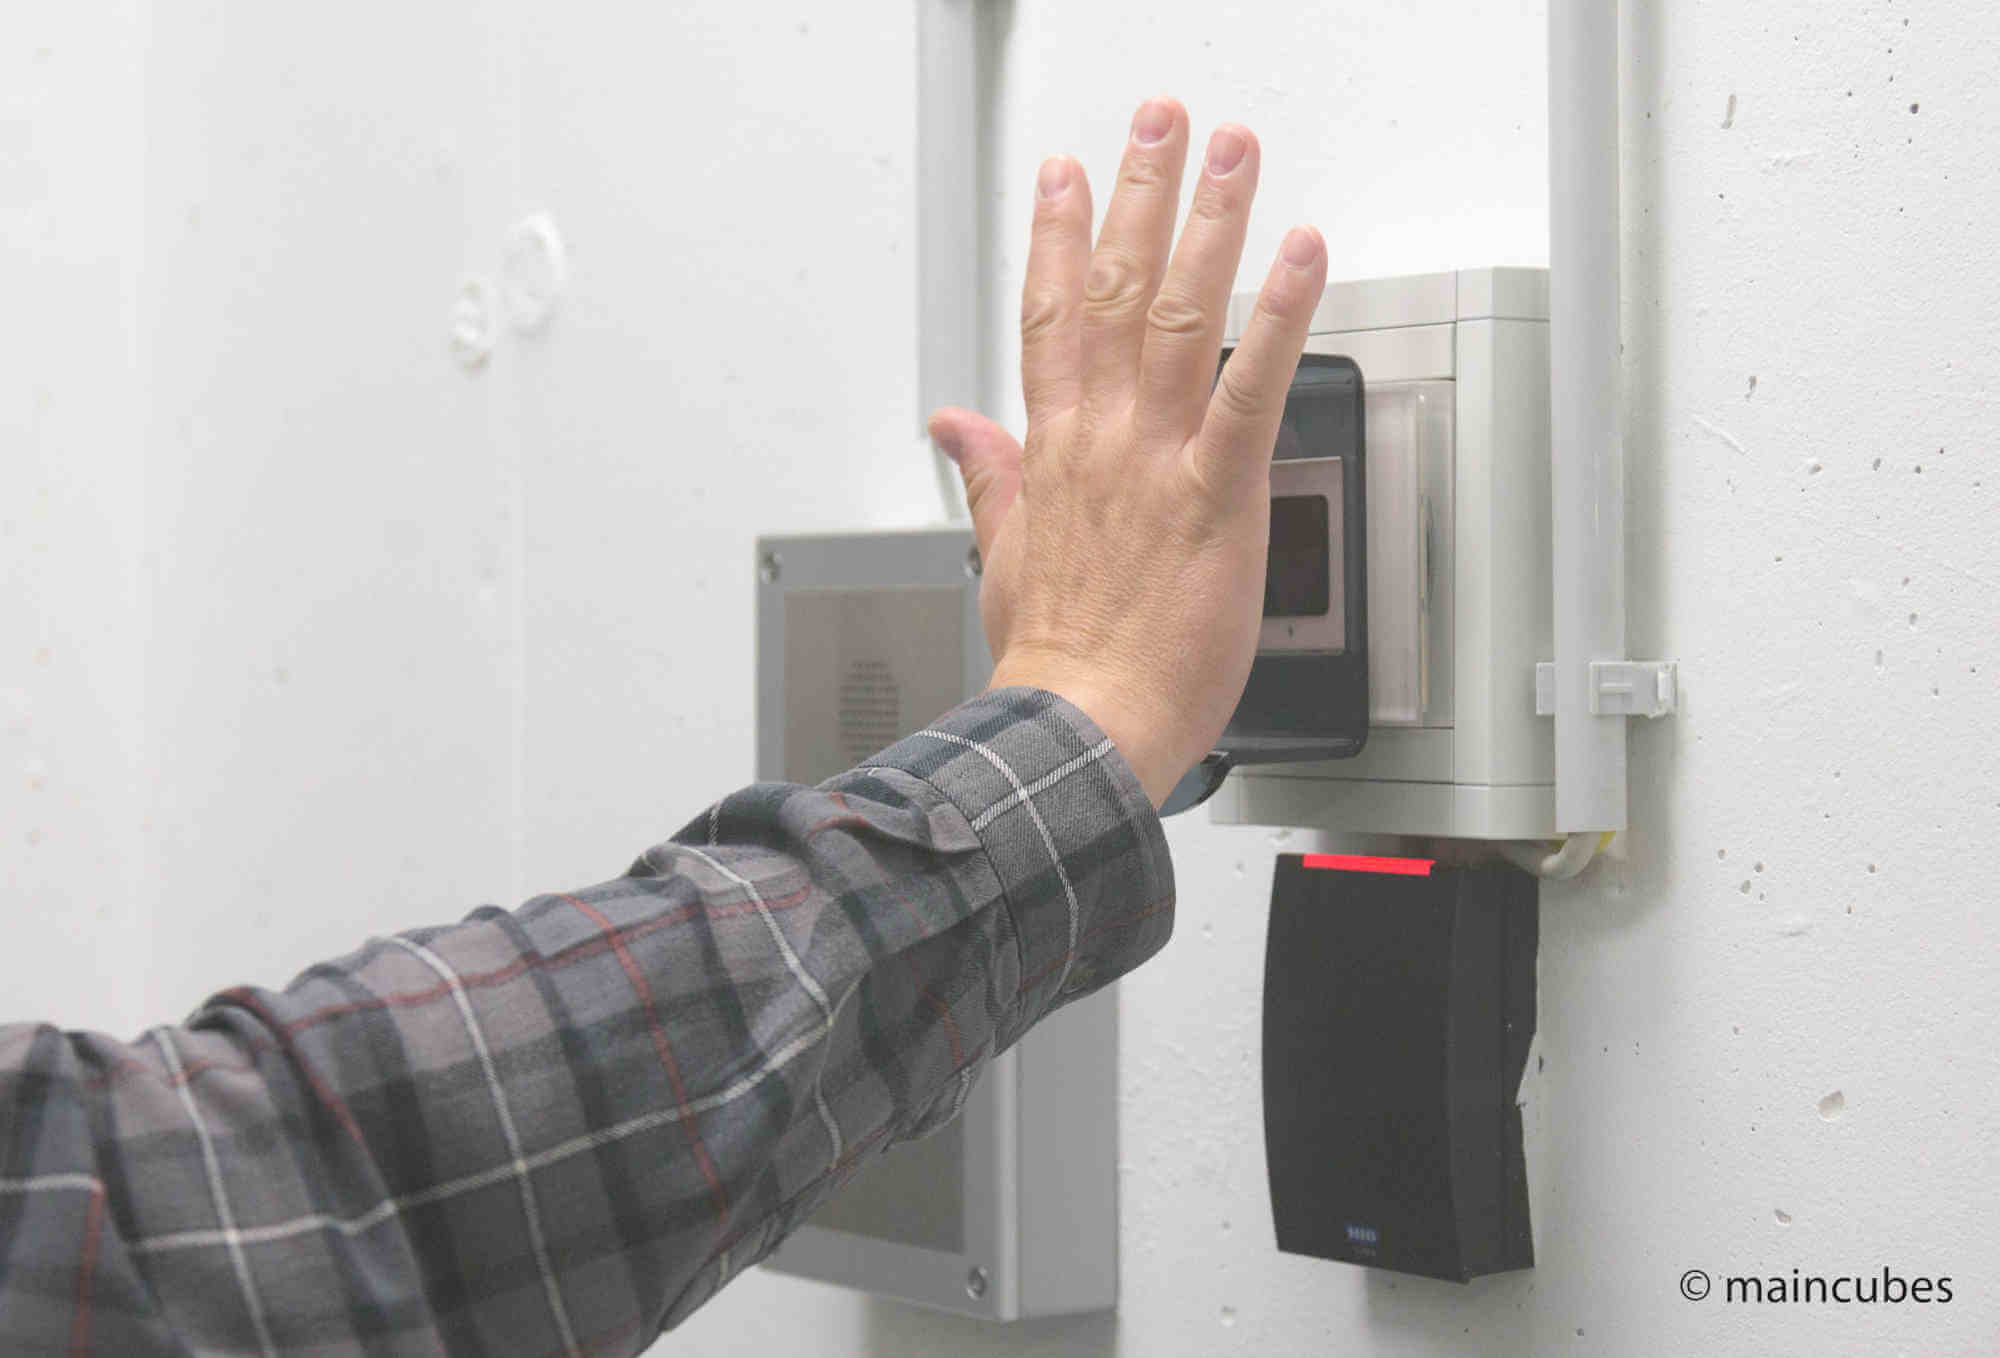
308,633
71,501
332,508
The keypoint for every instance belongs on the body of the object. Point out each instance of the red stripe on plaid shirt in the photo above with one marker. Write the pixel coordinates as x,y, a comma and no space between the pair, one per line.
582,952
644,991
86,1273
325,1093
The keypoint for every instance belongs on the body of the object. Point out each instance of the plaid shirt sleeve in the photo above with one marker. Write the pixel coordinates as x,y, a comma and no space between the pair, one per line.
560,1129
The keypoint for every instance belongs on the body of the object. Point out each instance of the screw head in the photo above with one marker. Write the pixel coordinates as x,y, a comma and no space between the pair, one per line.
975,1283
974,567
770,567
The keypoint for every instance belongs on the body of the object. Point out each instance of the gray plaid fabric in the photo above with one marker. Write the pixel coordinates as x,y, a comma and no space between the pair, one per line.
560,1129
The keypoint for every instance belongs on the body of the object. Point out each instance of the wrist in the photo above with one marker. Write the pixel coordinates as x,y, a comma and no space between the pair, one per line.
1117,710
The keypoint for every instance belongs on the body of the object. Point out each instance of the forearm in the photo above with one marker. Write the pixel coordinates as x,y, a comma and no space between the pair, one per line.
569,1124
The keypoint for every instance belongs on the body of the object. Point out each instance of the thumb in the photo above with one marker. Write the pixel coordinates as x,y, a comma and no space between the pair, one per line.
988,459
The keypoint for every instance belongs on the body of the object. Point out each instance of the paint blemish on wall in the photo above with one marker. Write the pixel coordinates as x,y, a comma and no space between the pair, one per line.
1734,443
1832,1106
1729,113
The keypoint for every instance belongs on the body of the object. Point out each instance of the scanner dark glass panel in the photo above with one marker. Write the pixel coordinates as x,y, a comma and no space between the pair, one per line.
1296,574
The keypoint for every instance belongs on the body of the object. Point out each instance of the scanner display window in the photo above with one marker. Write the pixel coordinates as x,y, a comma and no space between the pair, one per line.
1305,576
1297,582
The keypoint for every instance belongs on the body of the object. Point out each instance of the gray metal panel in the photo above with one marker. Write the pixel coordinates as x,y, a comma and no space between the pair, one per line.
887,560
926,1276
865,667
1069,1159
894,1197
1035,1206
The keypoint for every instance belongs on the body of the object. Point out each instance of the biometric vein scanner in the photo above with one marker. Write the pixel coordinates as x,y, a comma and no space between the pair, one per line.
1440,736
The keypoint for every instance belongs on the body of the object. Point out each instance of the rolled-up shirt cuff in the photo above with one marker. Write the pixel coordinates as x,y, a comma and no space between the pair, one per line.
1078,849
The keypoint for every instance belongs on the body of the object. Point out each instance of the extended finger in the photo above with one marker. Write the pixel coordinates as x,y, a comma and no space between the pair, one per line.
1131,253
1237,435
1052,296
1185,321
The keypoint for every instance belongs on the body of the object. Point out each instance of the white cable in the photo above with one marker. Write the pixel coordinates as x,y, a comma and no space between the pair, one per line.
1586,459
1572,857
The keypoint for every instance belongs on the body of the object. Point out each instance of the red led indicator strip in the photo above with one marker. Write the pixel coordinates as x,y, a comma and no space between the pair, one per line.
1357,862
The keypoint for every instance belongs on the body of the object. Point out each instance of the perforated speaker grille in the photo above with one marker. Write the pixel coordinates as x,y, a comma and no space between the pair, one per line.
871,708
863,669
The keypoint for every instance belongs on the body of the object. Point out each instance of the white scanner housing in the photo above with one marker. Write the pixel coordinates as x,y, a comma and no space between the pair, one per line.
1456,371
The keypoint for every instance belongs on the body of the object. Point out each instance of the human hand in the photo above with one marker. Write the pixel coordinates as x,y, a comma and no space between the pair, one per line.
1124,546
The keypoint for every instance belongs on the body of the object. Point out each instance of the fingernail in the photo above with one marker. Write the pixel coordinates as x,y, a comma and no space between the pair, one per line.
1225,150
1155,120
1301,246
1054,177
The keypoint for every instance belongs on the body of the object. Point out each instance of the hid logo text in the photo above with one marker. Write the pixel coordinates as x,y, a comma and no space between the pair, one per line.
1363,1235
